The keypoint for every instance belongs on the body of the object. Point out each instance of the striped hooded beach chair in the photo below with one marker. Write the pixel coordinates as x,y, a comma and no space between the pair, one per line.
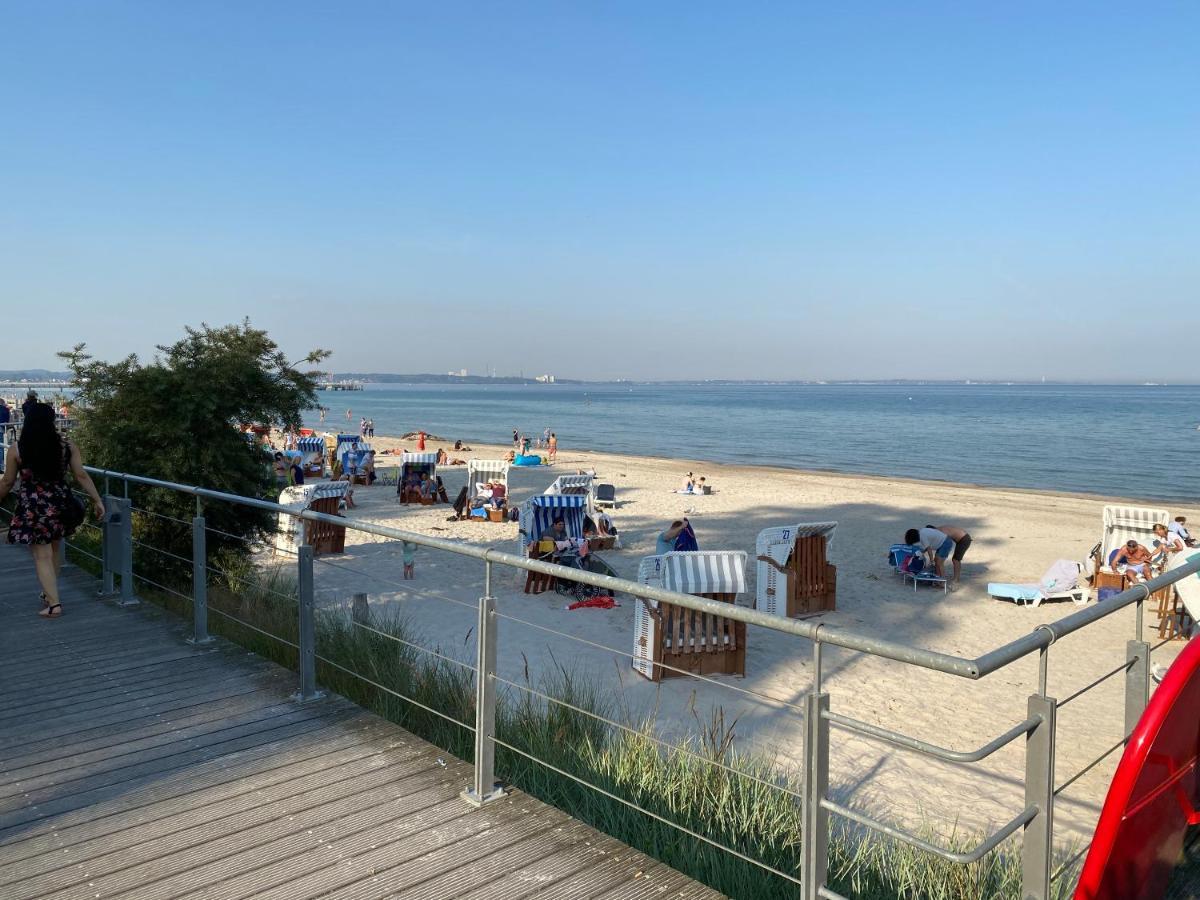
1121,524
576,484
794,576
673,640
481,471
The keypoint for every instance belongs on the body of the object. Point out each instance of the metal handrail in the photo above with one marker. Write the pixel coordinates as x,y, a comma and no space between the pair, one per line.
966,667
909,743
1039,727
985,847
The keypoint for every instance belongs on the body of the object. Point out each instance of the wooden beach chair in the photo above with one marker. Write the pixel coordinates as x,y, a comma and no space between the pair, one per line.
1121,524
583,485
535,518
323,497
795,578
415,464
672,640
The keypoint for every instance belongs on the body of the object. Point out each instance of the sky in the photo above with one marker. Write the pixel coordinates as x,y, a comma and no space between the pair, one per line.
610,190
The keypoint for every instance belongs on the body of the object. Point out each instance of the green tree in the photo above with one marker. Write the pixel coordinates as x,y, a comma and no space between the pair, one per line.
178,419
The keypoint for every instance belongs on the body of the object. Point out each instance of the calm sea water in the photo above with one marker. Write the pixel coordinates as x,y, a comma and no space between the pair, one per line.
1138,441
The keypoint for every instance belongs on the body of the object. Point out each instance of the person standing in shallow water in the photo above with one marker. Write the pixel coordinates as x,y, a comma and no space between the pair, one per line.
41,459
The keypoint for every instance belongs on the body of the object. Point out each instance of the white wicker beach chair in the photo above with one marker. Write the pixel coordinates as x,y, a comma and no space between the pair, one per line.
788,586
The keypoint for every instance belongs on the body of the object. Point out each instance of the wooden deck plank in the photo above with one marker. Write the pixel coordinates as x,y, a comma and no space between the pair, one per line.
160,822
170,866
51,752
190,788
157,770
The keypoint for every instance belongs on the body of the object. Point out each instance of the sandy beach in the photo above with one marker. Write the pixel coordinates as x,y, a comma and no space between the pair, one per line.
1016,533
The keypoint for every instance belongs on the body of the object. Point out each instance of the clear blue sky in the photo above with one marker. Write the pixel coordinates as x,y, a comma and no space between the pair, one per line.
613,189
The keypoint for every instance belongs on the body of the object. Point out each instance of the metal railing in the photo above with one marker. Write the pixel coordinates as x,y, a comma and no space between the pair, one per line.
1035,819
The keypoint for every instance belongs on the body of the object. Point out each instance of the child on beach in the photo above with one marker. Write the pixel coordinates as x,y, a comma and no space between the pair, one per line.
409,555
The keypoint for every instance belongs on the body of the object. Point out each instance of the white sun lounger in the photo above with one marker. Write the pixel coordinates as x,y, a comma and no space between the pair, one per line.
1061,582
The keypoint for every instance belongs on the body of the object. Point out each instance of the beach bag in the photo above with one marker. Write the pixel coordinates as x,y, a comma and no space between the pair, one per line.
914,565
73,513
73,510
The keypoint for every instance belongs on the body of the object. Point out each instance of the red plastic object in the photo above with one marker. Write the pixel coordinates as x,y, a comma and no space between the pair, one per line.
1153,796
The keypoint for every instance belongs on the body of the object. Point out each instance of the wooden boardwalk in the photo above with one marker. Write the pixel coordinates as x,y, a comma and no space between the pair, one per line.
135,765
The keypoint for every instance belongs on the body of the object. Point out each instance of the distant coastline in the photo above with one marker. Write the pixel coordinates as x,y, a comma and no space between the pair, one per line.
23,377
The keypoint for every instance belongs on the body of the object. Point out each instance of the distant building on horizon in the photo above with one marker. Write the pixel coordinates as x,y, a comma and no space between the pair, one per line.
545,379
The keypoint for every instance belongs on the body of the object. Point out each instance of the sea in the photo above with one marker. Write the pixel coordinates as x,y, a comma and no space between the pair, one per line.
1138,441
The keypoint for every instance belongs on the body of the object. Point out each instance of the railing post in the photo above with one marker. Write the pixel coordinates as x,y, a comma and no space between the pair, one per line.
118,549
108,547
361,610
815,835
308,636
1037,843
485,788
1137,682
200,633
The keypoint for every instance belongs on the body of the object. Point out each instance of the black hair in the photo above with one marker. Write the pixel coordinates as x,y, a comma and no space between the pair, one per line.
40,445
912,536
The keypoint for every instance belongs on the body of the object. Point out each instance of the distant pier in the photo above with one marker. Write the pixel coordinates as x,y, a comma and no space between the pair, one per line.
340,386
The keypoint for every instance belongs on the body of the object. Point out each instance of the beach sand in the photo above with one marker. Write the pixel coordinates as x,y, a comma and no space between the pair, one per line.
1016,533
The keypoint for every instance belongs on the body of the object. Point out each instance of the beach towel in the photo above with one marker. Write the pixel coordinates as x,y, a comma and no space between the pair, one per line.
1060,581
898,553
602,602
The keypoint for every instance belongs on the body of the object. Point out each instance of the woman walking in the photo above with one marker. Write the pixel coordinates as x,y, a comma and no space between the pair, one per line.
46,510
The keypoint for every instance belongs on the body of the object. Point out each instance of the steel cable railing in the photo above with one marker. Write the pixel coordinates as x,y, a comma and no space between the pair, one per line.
1039,727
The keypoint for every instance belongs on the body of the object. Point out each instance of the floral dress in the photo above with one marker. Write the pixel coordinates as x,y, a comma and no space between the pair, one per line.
41,509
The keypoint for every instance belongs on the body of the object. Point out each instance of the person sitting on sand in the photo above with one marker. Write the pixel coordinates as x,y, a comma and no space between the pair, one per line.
459,445
510,456
1136,560
441,456
604,524
935,544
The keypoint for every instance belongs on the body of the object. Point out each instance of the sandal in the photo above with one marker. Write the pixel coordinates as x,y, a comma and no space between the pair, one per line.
49,611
